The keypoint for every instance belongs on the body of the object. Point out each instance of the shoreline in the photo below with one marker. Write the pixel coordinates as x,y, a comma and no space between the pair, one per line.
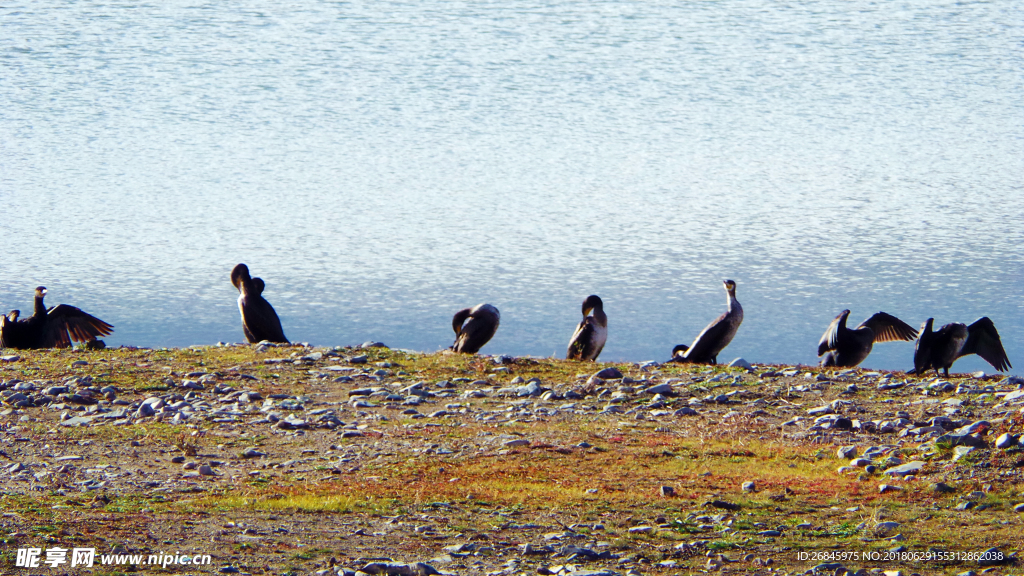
467,463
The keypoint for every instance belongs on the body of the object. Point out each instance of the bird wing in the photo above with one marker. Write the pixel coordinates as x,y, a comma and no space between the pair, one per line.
830,339
708,337
888,328
475,333
66,323
983,340
582,344
260,320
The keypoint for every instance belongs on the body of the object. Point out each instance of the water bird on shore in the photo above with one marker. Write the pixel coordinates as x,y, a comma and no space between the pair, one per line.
716,336
590,335
843,347
56,327
483,320
939,349
259,320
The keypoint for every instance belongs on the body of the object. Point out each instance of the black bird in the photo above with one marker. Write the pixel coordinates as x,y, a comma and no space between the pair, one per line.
716,336
589,338
941,348
471,336
56,327
844,347
259,321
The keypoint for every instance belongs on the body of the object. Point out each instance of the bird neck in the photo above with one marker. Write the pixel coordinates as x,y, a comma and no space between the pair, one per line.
731,300
40,308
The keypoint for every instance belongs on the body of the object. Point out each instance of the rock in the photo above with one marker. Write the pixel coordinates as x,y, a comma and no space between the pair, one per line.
883,488
145,410
961,451
828,568
974,427
748,486
206,470
659,389
668,491
740,363
886,527
1019,508
610,373
769,533
847,452
252,453
961,439
723,505
641,529
1013,397
905,469
77,421
991,557
515,443
685,411
1006,440
941,488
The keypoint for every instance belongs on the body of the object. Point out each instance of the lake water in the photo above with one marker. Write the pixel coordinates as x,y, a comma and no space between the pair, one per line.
383,164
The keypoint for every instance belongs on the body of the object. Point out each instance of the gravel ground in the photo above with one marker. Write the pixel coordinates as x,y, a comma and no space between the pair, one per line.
302,460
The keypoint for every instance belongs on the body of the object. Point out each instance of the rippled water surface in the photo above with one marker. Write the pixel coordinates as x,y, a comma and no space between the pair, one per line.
383,164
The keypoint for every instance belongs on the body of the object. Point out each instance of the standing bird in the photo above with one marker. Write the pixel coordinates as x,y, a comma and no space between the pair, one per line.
843,347
716,336
259,321
53,328
471,336
589,338
941,348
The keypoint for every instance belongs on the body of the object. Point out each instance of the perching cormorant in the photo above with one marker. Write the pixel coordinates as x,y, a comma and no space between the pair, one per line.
472,335
844,347
590,335
57,327
939,349
259,320
716,336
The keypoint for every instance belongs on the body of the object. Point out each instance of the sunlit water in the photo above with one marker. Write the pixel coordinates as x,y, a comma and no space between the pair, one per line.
382,165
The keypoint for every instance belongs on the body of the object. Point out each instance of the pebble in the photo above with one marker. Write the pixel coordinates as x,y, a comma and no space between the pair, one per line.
847,452
961,451
1006,440
748,486
941,488
740,363
610,373
905,469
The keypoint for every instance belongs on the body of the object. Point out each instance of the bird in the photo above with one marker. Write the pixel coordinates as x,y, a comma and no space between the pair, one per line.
472,335
939,349
843,347
716,336
259,320
591,333
56,327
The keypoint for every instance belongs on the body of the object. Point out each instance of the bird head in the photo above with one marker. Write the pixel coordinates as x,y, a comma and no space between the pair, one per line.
591,303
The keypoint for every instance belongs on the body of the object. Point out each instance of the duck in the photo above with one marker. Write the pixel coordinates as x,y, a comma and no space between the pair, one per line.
939,349
56,327
259,320
846,348
470,337
591,333
716,336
